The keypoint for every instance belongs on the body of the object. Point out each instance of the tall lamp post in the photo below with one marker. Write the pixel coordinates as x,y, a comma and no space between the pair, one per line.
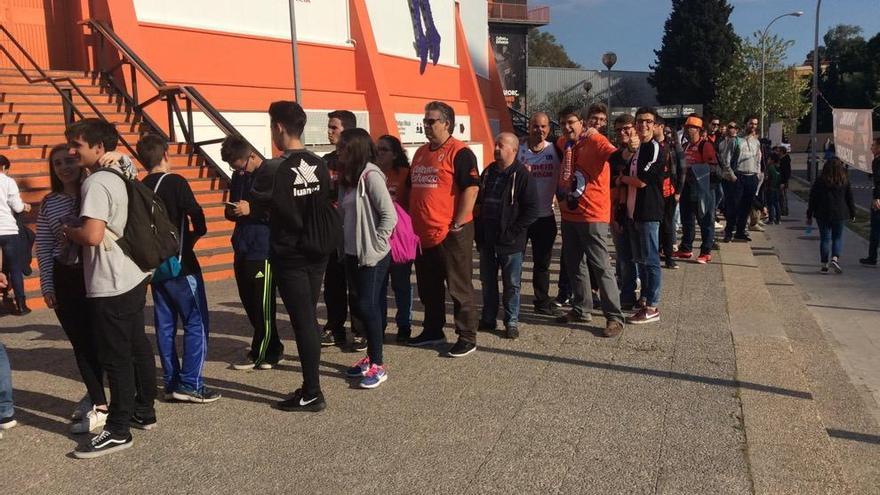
608,60
764,57
814,110
293,48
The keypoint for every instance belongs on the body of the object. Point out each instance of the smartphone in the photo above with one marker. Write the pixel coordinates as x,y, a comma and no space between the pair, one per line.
230,204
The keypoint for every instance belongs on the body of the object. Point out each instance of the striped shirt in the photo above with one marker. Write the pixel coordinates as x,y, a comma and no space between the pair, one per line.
49,240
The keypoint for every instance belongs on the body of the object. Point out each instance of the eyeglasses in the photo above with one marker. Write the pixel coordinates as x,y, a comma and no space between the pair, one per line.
431,122
716,124
645,121
624,129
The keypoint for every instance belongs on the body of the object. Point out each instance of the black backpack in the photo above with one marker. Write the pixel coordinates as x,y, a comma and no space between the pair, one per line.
149,237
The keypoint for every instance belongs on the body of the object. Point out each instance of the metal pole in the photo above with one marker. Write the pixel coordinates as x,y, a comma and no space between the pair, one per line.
293,48
814,112
609,94
763,72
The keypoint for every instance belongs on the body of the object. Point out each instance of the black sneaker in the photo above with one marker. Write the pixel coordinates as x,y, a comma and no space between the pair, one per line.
868,262
425,340
142,423
742,238
461,348
727,239
835,265
511,333
327,338
484,326
548,311
299,402
359,344
403,335
204,395
102,444
671,264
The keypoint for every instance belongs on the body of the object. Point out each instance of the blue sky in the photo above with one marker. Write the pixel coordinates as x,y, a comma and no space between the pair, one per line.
634,28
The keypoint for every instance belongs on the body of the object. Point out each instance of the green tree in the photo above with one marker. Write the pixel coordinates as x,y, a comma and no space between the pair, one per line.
698,45
545,51
739,86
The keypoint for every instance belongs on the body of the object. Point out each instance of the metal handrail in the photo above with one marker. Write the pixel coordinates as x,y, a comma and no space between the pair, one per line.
66,95
172,95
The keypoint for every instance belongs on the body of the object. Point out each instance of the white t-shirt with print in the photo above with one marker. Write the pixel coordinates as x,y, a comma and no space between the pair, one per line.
544,168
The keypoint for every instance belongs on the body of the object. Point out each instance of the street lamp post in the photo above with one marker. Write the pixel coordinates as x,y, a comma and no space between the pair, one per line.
764,57
813,112
293,48
609,59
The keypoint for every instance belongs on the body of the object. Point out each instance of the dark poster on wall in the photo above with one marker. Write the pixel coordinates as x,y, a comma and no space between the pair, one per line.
510,47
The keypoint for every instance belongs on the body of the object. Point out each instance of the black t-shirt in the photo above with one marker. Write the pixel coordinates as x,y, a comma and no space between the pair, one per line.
183,209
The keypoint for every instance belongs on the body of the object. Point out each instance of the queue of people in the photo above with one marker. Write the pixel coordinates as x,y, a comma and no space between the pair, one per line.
359,219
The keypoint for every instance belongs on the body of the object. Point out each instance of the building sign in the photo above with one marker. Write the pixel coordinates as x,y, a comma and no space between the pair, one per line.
510,47
665,111
853,131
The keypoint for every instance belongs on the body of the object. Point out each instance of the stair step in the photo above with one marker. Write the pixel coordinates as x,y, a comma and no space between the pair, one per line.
109,110
31,118
48,139
54,97
55,128
46,88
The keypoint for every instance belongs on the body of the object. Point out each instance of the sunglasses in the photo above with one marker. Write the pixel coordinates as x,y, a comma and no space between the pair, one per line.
716,124
431,122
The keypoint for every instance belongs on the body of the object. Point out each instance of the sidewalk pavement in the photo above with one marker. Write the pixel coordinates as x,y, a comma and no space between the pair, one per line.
704,401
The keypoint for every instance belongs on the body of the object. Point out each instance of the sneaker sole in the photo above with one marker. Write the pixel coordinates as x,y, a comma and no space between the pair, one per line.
102,452
837,269
9,425
194,400
643,322
140,426
309,408
463,354
380,382
426,343
243,367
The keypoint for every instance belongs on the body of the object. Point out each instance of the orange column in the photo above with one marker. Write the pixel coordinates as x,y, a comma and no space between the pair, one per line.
369,75
470,91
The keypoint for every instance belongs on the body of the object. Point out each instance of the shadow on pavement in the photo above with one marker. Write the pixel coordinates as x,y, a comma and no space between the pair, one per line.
852,435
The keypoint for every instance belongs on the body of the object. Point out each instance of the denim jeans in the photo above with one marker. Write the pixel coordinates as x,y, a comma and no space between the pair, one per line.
369,281
771,196
181,298
12,261
6,410
511,278
830,238
689,215
647,257
874,239
746,189
627,271
401,285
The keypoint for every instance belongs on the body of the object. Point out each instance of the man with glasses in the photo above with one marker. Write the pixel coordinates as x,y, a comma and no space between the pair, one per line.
584,195
743,158
442,189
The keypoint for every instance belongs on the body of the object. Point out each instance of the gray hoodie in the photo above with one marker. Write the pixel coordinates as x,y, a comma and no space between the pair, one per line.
375,217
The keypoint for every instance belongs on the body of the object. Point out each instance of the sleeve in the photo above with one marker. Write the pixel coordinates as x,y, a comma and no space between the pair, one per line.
45,242
876,177
652,170
381,201
234,195
724,155
528,211
262,186
603,146
814,199
465,165
13,197
127,167
785,170
97,199
192,208
709,155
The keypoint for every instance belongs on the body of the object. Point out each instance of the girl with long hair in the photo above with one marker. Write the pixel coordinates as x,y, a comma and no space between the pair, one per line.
63,285
369,218
392,159
831,204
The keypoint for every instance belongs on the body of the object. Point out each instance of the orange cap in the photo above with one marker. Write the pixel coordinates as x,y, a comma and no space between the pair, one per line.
694,122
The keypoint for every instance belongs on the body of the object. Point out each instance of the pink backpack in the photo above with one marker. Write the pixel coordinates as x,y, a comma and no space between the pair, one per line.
404,241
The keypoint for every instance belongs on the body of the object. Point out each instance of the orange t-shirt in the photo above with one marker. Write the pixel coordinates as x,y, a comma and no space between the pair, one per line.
592,174
434,192
395,179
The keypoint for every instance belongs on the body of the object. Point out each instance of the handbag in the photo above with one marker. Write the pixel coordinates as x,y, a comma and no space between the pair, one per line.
171,267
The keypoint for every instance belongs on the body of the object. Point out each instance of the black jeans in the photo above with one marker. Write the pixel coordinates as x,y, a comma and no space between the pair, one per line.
256,288
12,261
340,297
449,264
667,226
70,298
300,287
126,356
369,281
542,234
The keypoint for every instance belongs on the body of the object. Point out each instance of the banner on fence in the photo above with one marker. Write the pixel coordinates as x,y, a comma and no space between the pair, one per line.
853,131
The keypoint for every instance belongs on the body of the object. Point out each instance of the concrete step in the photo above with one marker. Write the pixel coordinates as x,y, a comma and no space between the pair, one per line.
53,97
109,110
50,139
45,88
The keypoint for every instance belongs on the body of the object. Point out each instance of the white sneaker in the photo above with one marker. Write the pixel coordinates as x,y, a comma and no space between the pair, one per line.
92,420
82,408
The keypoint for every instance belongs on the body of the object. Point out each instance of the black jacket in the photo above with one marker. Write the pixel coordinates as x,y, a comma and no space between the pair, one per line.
182,208
831,203
875,172
785,169
650,169
519,209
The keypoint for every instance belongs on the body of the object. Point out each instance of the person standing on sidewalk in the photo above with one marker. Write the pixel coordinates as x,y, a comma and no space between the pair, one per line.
368,219
10,242
250,244
697,204
784,178
339,297
392,159
62,284
182,297
7,409
747,167
831,204
116,290
295,188
772,186
542,161
670,195
643,178
506,206
874,240
441,193
584,194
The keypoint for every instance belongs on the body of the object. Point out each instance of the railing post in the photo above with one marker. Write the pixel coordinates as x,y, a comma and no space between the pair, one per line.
171,134
67,108
134,85
189,120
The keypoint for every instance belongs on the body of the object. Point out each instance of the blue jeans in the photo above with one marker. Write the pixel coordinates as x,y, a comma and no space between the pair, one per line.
401,284
874,239
830,238
511,277
12,261
646,250
626,267
690,213
369,281
184,298
6,410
